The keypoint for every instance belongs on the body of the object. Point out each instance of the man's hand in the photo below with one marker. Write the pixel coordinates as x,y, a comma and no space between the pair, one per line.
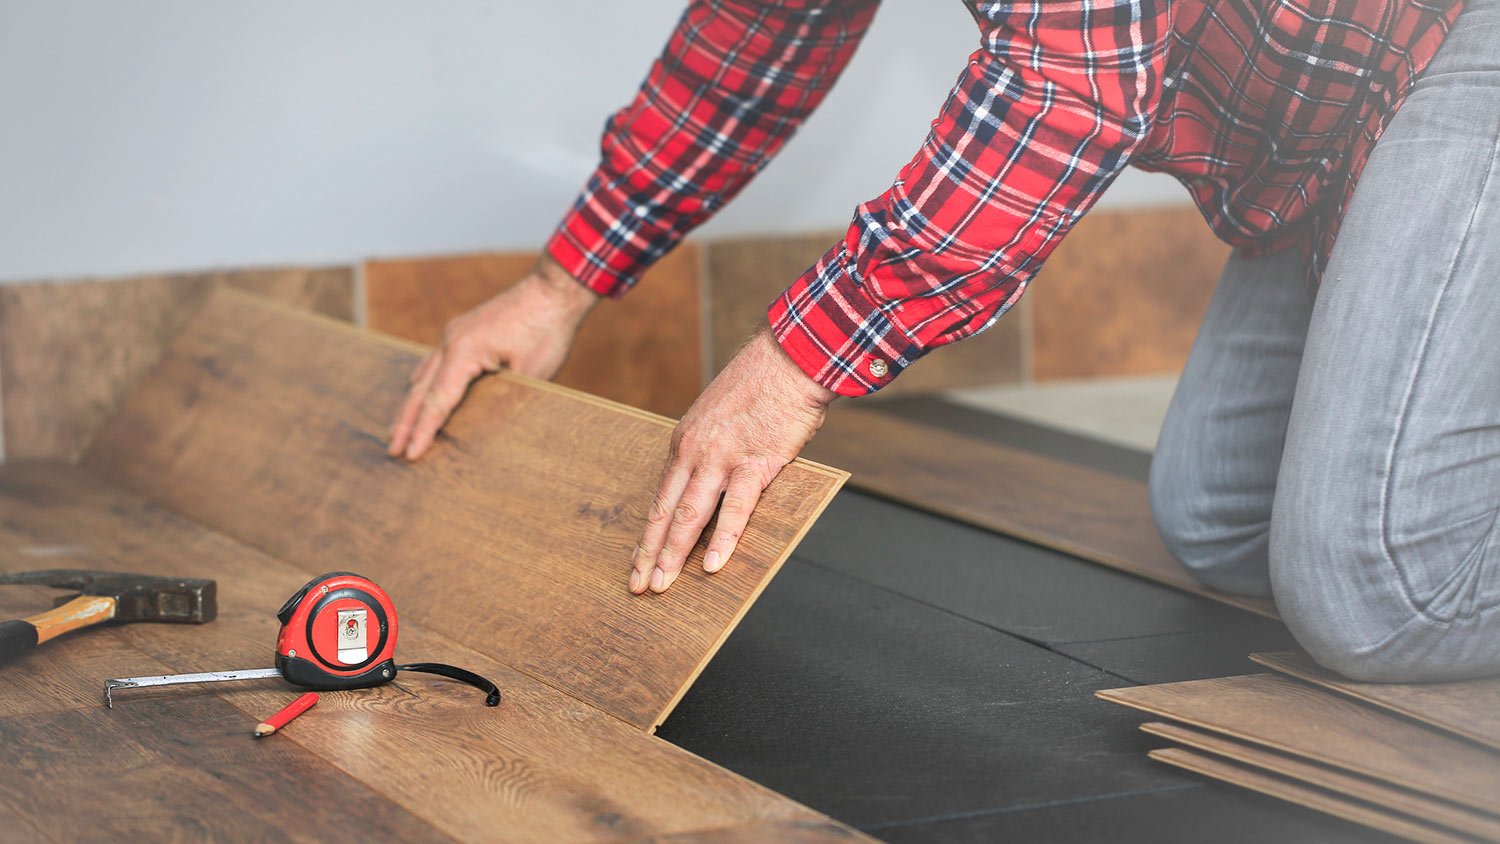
752,420
528,328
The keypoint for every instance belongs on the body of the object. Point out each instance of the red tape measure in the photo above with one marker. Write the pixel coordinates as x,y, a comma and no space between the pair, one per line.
339,632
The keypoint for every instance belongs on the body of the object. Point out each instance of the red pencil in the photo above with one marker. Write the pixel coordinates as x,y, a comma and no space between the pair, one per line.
285,716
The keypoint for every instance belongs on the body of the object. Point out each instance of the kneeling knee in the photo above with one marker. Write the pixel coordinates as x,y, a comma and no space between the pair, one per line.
1223,549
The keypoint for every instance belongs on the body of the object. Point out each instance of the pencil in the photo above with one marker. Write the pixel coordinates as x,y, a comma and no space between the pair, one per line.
285,716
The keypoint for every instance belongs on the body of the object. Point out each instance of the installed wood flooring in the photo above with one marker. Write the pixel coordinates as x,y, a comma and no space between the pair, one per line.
241,430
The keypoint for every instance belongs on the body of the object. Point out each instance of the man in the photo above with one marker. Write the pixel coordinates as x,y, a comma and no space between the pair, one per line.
1335,440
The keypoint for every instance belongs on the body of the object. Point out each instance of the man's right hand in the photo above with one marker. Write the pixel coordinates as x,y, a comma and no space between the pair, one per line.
527,328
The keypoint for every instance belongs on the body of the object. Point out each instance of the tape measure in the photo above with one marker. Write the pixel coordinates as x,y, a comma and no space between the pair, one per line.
337,632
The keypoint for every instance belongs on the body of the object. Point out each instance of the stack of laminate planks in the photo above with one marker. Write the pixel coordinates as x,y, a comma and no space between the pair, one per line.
253,454
1418,761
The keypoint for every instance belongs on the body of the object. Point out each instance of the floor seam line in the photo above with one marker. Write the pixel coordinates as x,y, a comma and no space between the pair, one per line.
1024,807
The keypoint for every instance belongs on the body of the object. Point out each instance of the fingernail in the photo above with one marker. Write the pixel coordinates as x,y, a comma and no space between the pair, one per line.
658,580
712,562
635,581
411,452
635,553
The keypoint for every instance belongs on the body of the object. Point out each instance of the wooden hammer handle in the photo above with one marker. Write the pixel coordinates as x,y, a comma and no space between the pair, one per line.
83,611
19,637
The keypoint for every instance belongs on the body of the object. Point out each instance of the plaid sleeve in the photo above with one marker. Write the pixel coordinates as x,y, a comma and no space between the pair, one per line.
1042,119
735,80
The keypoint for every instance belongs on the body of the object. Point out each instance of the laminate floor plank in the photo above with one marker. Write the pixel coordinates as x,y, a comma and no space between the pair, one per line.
543,766
183,770
1099,516
1469,708
1026,435
1293,717
875,708
1323,801
1407,802
270,425
1024,589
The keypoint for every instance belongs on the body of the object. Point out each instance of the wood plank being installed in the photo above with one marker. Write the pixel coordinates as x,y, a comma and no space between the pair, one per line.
1440,812
1469,708
1293,717
420,759
1293,792
270,425
1094,515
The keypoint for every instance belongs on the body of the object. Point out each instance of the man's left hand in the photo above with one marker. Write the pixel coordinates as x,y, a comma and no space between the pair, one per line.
752,420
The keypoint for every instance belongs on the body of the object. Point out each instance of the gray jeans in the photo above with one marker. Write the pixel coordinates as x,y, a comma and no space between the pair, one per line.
1339,448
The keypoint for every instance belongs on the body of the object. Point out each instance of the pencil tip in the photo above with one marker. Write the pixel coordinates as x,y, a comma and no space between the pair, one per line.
263,730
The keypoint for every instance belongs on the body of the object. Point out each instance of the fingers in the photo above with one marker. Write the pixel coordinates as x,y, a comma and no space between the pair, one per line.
406,417
449,382
689,517
421,371
658,521
740,498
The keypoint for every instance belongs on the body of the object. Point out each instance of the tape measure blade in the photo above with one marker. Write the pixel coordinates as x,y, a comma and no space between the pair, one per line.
205,677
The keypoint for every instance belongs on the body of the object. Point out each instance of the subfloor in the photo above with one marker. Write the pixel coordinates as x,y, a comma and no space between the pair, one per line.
927,681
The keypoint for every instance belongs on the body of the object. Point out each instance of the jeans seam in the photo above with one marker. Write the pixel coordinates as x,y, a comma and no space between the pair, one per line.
1406,398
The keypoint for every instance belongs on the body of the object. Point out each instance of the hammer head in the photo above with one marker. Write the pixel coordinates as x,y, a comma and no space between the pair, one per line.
140,597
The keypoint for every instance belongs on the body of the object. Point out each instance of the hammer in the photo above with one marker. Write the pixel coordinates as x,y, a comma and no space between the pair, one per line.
105,597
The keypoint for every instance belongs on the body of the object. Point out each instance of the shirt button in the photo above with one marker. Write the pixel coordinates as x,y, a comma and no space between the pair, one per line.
879,368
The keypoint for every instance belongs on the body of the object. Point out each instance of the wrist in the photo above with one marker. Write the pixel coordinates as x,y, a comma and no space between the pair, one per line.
789,373
567,292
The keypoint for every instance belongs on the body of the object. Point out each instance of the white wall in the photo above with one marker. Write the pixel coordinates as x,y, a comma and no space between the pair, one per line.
175,134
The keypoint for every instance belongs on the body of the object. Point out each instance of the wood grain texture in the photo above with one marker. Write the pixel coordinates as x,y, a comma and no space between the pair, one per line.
1469,708
1451,816
1124,294
70,351
1364,814
642,349
182,770
1095,515
542,767
745,275
269,425
1293,717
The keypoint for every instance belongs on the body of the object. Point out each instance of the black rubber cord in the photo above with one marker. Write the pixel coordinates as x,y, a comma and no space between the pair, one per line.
462,675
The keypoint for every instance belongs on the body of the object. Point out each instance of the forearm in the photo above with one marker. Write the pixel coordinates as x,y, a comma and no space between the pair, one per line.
1028,140
735,81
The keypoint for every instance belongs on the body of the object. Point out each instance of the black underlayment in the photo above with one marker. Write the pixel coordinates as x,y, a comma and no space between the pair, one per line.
923,680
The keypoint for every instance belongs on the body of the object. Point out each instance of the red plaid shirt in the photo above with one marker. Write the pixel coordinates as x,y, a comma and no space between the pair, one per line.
1265,109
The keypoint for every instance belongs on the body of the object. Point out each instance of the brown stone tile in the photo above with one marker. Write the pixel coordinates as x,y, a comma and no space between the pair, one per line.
746,275
642,350
70,350
1123,294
